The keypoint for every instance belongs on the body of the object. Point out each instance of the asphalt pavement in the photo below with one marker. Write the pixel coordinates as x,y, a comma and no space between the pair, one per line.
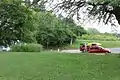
113,50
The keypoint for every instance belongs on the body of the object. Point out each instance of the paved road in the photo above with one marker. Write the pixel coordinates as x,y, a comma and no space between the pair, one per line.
113,50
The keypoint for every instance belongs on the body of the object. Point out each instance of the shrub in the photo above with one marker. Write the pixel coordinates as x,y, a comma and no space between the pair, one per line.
101,37
26,48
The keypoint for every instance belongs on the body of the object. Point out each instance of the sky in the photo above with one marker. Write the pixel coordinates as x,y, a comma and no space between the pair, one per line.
99,26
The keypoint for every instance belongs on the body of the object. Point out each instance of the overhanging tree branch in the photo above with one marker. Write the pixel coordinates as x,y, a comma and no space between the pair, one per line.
101,10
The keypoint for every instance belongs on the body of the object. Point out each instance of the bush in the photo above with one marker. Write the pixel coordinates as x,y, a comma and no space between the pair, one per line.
26,48
101,37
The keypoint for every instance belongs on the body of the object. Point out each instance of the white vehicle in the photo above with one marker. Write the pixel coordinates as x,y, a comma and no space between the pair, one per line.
2,48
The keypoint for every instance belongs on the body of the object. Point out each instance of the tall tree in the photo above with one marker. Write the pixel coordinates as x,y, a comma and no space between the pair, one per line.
92,31
55,32
38,5
13,20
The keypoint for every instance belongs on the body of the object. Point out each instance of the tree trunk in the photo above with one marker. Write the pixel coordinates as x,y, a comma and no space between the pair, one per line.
71,41
47,44
116,12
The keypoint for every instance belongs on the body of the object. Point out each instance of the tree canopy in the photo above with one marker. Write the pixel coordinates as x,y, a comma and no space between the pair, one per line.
28,22
13,18
102,9
56,32
92,31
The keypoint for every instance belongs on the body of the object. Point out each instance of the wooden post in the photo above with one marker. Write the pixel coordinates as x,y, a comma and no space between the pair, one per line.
85,47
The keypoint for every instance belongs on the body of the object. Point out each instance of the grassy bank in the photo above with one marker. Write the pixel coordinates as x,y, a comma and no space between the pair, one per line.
55,66
107,44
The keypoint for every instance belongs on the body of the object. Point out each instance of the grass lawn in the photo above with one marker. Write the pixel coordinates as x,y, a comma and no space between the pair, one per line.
55,66
106,44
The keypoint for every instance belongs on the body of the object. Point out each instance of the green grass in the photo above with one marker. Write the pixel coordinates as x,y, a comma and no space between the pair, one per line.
106,44
55,66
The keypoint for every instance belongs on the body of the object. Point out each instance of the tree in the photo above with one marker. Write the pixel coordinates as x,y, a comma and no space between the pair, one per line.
13,22
92,31
78,30
55,32
51,30
38,5
102,9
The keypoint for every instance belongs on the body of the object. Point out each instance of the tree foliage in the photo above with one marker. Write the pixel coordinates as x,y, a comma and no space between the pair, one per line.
13,17
27,21
101,9
54,32
92,31
38,5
